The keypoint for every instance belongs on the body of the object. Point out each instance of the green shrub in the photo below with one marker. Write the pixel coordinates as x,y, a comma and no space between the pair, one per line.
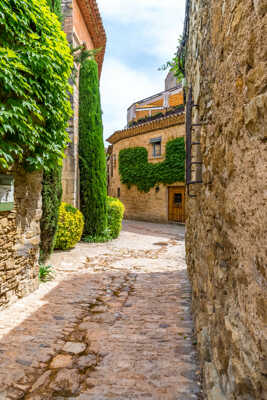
51,197
70,227
92,158
46,273
115,216
35,67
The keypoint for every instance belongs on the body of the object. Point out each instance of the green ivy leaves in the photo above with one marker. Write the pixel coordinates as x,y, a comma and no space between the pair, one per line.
135,169
35,65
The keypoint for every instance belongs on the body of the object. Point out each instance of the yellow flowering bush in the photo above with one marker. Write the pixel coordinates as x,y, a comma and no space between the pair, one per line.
70,227
115,215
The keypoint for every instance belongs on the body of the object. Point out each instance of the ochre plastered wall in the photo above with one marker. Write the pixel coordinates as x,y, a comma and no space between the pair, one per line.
151,206
226,226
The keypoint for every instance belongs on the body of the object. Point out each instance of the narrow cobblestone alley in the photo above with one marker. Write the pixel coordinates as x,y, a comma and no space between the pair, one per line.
115,323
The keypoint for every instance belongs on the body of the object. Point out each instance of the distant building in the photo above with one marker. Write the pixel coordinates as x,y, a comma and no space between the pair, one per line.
151,123
83,25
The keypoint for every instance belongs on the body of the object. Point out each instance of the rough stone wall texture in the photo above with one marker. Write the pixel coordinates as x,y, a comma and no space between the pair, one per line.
226,226
19,239
77,33
151,206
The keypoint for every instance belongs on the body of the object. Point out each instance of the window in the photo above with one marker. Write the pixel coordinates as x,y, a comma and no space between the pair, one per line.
178,198
111,165
156,146
156,149
119,192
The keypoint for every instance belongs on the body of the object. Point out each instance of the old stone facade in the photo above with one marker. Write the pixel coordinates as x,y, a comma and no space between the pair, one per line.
226,226
83,26
151,206
19,239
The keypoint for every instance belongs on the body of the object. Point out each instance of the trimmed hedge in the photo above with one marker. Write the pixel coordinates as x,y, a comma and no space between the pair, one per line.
115,216
70,227
92,158
135,169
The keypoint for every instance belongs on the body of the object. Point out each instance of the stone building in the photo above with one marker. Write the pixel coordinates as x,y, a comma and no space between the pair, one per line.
152,122
226,229
83,25
20,213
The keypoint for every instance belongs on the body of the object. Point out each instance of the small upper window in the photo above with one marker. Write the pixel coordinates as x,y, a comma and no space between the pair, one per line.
156,144
156,149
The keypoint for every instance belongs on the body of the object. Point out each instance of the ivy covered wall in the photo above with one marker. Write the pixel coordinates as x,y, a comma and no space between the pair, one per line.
135,169
51,188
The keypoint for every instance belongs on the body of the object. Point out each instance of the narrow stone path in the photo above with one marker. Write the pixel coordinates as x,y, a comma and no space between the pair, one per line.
114,324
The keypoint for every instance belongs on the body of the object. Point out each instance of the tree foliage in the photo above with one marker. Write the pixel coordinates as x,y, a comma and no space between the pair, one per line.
35,65
135,169
177,63
93,191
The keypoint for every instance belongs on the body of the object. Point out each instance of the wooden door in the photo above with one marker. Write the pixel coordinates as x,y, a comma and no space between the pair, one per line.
177,204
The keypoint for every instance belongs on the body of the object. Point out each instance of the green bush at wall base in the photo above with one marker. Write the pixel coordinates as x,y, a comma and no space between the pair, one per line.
51,197
70,227
135,169
115,216
92,158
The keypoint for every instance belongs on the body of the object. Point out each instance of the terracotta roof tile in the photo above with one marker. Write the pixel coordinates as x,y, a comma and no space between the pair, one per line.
95,27
150,126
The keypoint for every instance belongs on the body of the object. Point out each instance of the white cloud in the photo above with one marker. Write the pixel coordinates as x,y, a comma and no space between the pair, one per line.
121,86
157,25
159,21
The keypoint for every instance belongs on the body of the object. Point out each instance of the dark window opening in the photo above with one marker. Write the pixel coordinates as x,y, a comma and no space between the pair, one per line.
178,198
119,192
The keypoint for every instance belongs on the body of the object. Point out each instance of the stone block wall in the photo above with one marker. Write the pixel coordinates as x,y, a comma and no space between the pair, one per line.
19,239
226,225
151,206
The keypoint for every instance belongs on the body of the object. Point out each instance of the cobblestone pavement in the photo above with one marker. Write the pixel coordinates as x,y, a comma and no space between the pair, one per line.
114,324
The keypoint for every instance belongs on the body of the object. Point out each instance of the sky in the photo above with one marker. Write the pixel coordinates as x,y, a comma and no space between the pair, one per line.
142,35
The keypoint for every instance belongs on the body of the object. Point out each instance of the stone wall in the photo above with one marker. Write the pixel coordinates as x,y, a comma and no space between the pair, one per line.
151,206
19,239
226,226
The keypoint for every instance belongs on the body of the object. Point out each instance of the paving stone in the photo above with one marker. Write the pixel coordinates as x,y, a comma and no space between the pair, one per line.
75,348
121,311
61,361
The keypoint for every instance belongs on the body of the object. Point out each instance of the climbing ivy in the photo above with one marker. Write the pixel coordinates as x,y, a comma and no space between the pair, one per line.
135,169
35,65
51,189
55,7
92,159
